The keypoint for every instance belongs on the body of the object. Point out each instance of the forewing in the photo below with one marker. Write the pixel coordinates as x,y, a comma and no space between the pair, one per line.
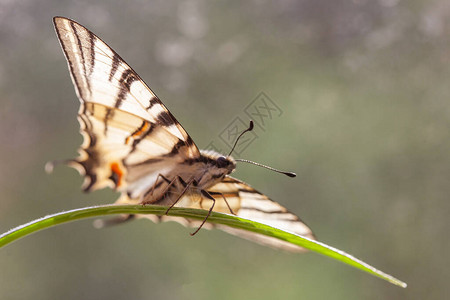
128,133
248,203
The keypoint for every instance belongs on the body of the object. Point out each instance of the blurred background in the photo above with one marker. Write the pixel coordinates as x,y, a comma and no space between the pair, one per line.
363,92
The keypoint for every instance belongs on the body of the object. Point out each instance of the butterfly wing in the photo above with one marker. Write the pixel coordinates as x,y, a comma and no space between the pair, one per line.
129,135
245,202
248,203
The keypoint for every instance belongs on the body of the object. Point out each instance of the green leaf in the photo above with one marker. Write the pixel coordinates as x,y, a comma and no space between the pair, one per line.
216,218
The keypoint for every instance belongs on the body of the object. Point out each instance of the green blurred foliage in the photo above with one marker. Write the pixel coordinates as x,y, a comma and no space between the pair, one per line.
363,86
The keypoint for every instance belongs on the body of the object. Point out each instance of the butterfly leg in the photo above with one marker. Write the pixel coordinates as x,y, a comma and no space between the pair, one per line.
168,187
225,199
156,185
207,195
186,186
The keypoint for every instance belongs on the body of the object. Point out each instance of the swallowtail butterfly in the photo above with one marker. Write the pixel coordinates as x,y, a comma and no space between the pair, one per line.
133,144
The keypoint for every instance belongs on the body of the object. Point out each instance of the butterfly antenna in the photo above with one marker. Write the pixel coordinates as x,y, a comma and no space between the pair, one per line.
290,174
250,128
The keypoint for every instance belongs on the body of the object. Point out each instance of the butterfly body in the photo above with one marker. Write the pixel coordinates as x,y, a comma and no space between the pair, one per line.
191,176
133,144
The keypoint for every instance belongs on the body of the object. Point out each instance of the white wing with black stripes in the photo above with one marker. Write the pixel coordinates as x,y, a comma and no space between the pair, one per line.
250,204
129,135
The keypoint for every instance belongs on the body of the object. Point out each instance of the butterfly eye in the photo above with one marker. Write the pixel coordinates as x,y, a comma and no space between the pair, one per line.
222,162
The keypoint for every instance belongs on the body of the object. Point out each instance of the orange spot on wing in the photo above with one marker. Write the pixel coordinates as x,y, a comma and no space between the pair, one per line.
144,128
115,168
138,132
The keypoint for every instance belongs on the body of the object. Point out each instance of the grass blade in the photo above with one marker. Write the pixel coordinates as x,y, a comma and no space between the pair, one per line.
216,218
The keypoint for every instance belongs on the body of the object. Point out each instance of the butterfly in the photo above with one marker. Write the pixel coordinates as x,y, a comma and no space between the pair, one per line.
133,144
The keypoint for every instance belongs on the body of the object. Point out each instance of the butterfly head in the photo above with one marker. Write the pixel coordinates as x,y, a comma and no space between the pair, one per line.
218,163
226,163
